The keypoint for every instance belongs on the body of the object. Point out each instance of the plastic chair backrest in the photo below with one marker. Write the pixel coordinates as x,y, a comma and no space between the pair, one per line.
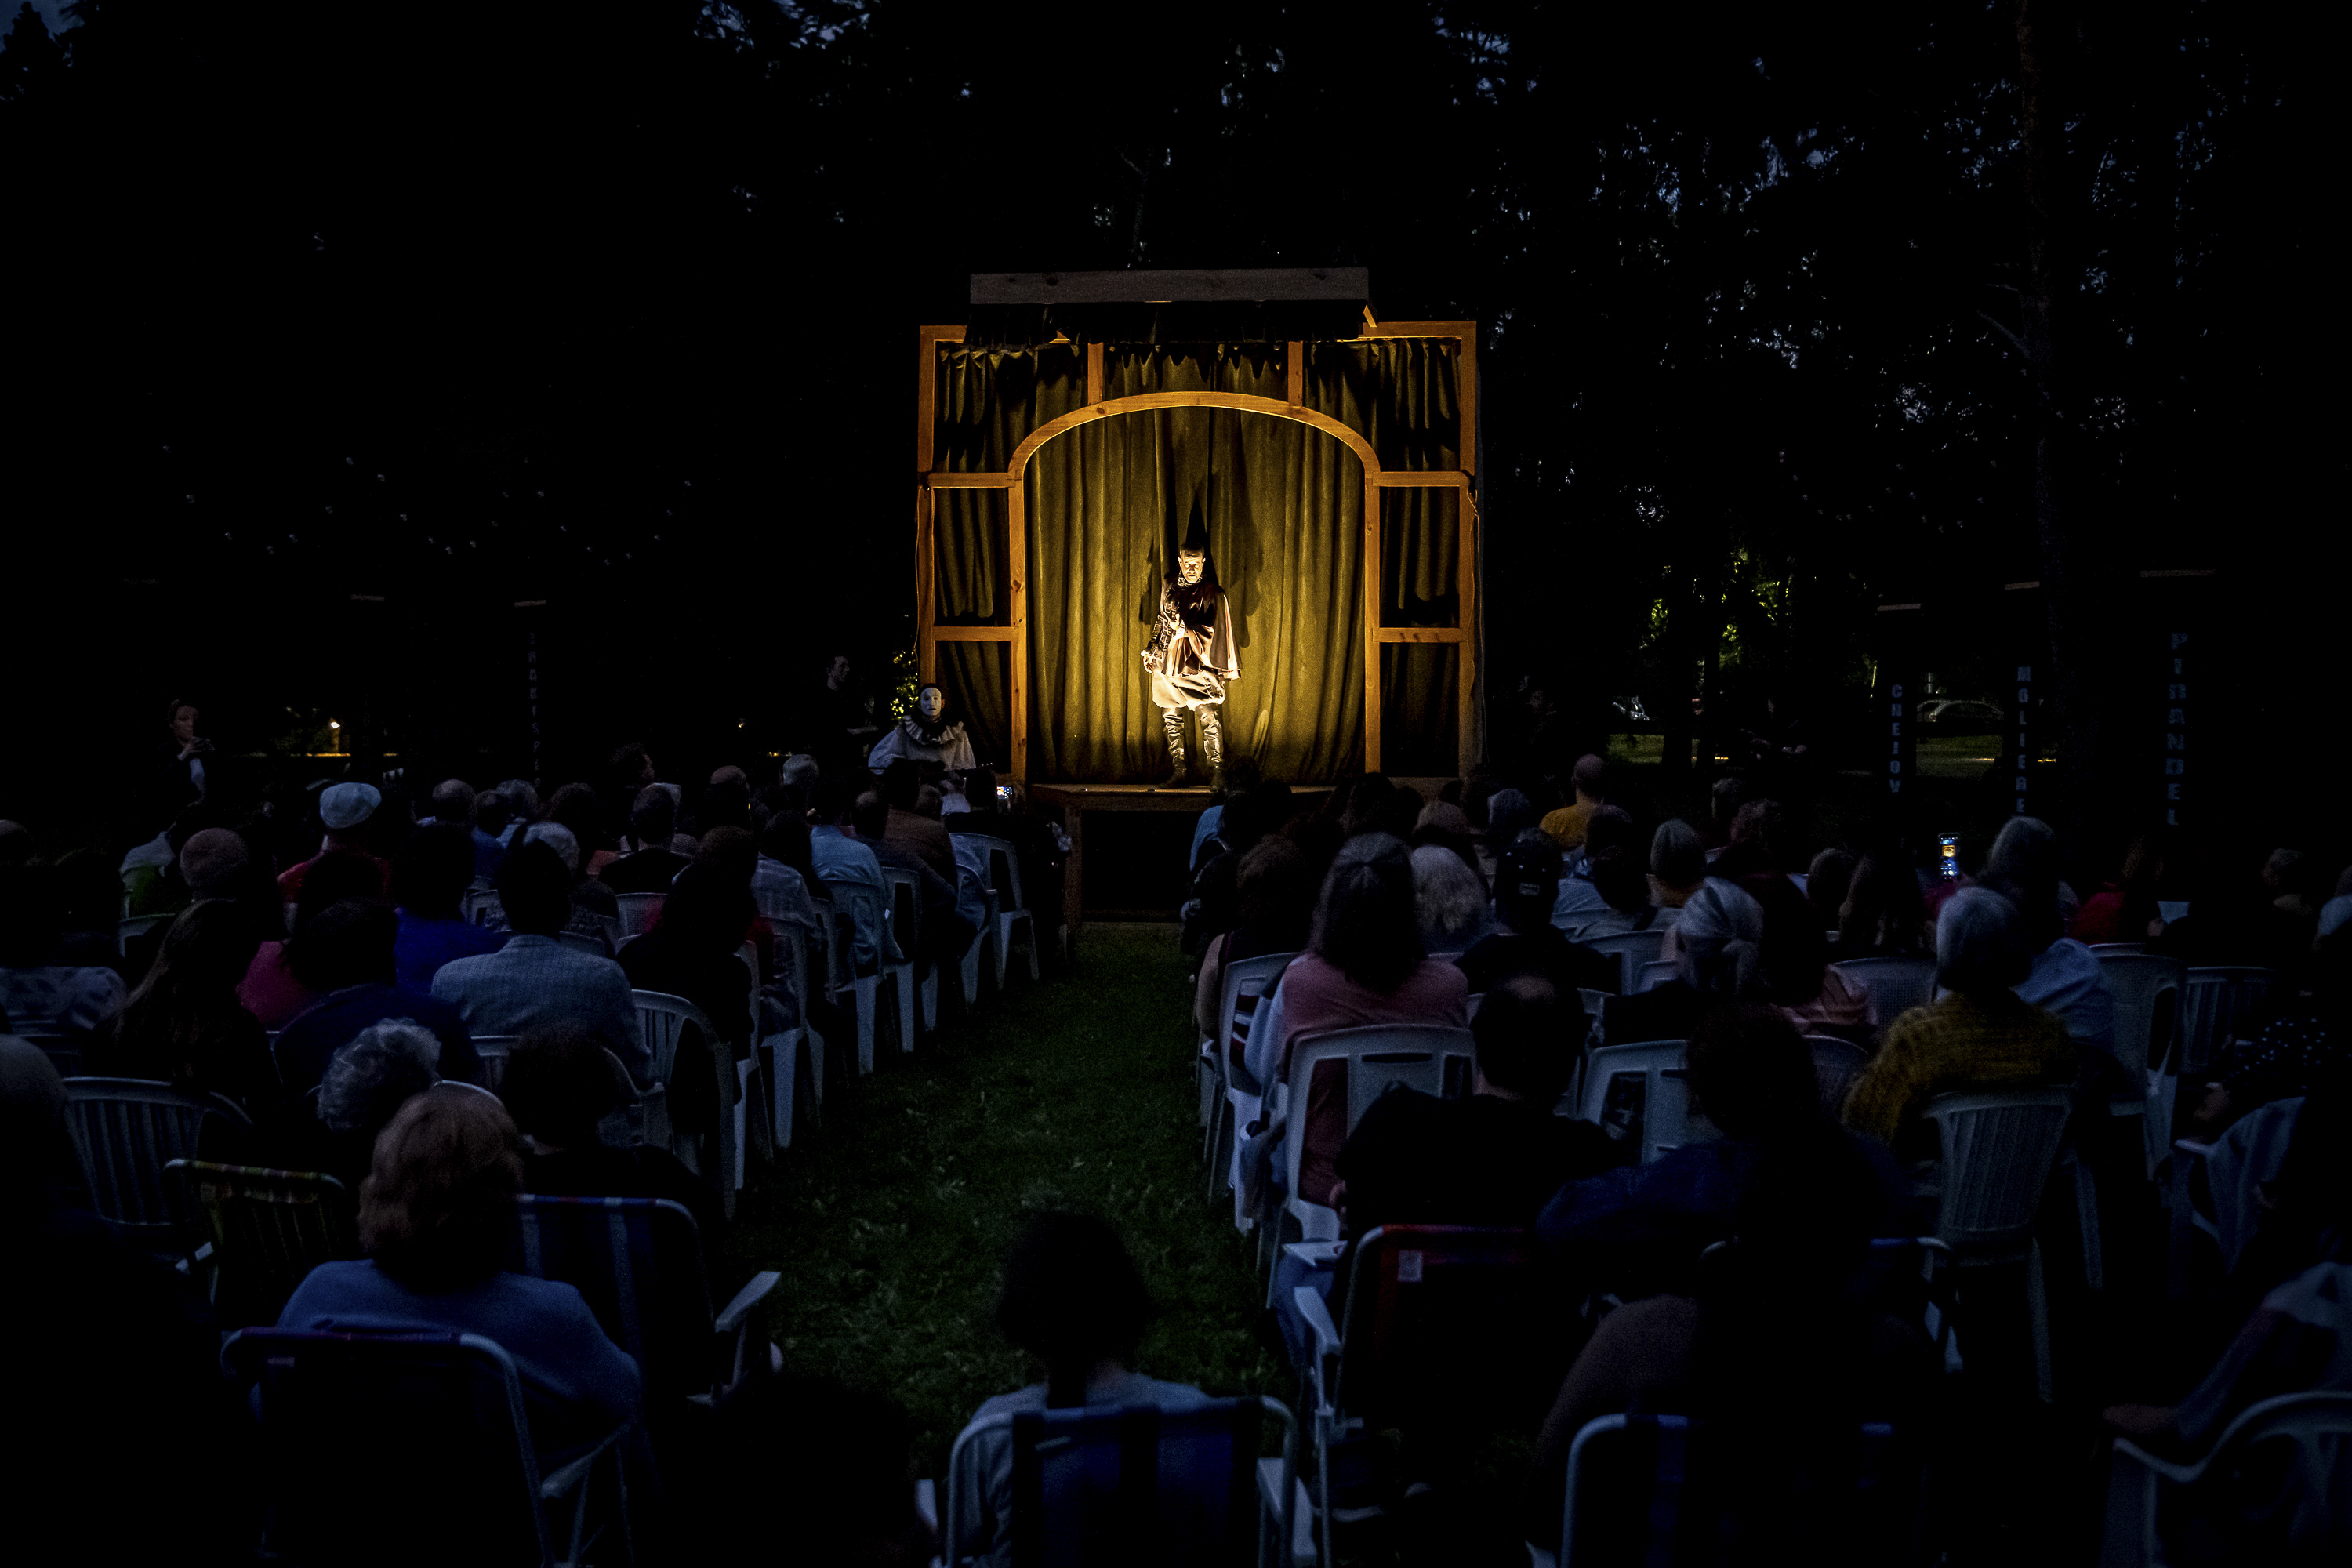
486,910
1631,950
1121,1484
1836,1064
434,1420
788,961
1244,985
1667,1121
132,927
1375,1056
857,906
2146,1025
127,1129
2249,1154
637,1262
494,1050
64,1051
2217,1001
1004,869
637,911
1654,974
905,907
1437,1316
1896,984
1658,1489
268,1229
663,1018
1997,1151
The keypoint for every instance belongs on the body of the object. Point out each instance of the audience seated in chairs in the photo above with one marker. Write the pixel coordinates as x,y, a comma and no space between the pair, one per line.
1074,1299
1607,827
558,1087
1979,1035
1617,876
1365,964
1678,865
1034,842
594,910
651,865
345,959
1794,964
1212,903
430,875
1778,1343
184,1025
843,859
908,830
214,864
782,875
123,1443
39,992
693,953
1884,915
1639,1229
1588,783
2024,868
346,811
2304,1042
435,1212
271,990
1275,891
1442,823
534,979
579,809
1527,889
1494,1157
334,1128
947,928
1449,900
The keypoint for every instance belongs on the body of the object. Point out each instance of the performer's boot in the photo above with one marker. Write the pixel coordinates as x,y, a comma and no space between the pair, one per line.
1212,747
1172,719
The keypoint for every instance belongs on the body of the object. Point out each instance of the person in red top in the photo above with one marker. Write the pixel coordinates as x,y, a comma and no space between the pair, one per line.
345,810
1364,965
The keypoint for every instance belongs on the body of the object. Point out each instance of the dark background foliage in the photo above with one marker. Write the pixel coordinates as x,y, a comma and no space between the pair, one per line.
610,305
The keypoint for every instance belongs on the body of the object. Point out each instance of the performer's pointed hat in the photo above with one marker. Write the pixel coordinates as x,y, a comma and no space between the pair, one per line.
1196,534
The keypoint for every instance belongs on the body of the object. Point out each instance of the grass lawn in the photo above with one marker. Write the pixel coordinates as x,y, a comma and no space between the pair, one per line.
889,1219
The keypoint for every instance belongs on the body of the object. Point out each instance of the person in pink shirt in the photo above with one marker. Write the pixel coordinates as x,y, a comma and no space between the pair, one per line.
1365,964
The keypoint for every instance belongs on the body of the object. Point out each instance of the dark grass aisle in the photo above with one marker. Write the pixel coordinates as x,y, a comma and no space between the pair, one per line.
889,1219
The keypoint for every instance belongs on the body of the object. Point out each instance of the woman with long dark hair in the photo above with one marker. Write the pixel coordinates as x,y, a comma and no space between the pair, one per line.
184,1025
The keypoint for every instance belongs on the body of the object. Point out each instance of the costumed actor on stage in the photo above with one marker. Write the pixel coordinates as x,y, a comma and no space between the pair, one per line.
1192,655
926,735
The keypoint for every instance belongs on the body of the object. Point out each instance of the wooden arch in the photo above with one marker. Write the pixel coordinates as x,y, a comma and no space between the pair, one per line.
1013,481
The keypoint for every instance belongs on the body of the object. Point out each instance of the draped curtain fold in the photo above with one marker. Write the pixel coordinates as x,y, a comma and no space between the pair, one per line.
1283,506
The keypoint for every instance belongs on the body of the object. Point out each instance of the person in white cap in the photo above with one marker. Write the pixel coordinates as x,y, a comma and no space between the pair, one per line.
344,809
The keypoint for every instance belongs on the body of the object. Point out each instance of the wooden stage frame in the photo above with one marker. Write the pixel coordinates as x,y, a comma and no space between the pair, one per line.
1013,481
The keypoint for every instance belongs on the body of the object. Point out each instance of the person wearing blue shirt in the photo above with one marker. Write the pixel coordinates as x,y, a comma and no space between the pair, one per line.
841,861
429,878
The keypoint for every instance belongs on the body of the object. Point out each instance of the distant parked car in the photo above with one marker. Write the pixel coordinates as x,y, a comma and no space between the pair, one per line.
1949,712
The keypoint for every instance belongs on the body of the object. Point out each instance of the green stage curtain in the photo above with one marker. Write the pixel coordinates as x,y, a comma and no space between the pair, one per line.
1283,506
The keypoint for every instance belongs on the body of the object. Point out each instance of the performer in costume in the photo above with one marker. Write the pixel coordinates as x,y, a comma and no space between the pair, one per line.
1192,655
926,734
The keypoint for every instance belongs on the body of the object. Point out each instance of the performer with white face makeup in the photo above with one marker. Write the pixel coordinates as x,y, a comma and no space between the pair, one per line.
1191,656
926,735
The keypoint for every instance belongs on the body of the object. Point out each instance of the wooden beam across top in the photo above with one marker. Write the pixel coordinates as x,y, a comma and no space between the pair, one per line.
1173,286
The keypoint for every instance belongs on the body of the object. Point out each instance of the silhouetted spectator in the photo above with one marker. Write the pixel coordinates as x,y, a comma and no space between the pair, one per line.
534,979
1449,900
1527,889
652,866
39,992
429,880
184,1025
271,991
559,1085
345,811
345,959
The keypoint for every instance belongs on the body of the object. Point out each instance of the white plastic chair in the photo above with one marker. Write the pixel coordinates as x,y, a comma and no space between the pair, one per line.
1999,1148
2250,1152
486,910
1836,1064
2145,1029
2308,1503
1241,981
132,927
494,1050
850,905
637,911
973,880
2218,1000
1895,985
906,892
780,1052
663,1018
1004,876
1667,1119
1375,1055
1631,950
1652,975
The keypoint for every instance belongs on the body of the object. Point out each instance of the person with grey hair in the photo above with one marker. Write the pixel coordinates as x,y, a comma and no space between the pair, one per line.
2065,978
593,903
1448,901
1677,867
1979,1034
334,1128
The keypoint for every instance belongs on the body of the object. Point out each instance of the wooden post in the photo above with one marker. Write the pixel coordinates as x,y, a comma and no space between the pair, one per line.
1016,557
1371,569
927,397
927,640
1294,360
1466,576
1093,373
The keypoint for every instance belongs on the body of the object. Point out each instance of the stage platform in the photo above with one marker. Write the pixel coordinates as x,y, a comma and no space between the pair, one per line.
1129,846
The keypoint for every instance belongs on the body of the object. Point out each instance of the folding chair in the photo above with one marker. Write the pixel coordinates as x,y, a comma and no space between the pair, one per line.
1242,984
126,1130
1895,985
1999,1148
435,1421
1375,1056
906,890
660,1024
1127,1484
2271,1484
638,911
2214,1003
1443,1325
1652,975
1631,950
2147,990
780,1052
494,1050
638,1264
1004,876
1836,1064
1667,1121
265,1231
1652,1488
130,928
